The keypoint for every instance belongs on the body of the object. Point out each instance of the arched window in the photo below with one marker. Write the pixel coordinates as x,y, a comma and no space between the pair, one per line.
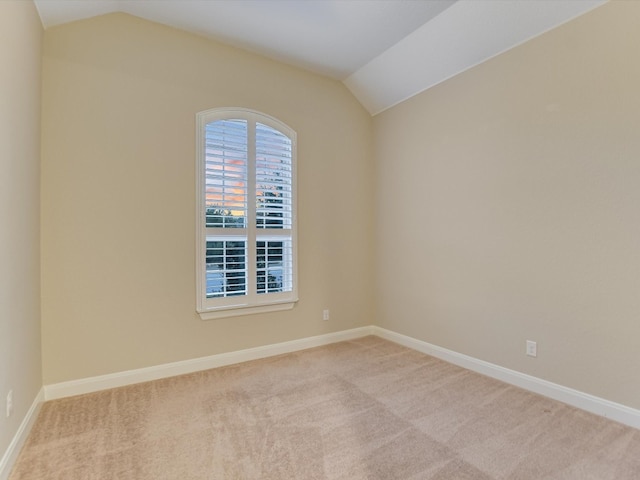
246,216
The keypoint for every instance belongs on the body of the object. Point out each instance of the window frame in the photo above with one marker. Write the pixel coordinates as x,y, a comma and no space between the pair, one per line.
252,302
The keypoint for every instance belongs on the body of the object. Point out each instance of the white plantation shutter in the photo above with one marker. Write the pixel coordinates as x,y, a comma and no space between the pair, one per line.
226,260
246,251
226,173
275,262
273,178
273,210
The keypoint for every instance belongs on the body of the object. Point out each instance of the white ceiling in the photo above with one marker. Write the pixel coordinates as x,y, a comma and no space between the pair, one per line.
384,50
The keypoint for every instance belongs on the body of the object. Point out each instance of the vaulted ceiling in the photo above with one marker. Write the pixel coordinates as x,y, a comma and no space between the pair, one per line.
385,51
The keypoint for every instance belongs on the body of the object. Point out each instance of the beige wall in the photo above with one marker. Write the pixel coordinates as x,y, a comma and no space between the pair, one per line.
119,102
506,202
508,207
20,365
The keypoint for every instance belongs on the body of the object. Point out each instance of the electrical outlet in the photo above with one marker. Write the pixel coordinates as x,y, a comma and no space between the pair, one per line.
9,403
325,315
532,348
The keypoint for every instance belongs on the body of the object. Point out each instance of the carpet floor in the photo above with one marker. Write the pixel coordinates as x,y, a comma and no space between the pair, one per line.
362,409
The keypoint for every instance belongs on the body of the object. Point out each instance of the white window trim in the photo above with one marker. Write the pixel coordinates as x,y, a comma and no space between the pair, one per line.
262,303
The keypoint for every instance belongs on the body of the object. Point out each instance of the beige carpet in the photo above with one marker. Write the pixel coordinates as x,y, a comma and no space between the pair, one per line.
364,409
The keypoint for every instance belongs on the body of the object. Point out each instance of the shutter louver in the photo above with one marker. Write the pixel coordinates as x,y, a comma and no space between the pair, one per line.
226,174
226,262
273,178
274,261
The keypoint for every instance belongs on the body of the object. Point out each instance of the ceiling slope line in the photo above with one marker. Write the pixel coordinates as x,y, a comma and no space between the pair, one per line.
463,36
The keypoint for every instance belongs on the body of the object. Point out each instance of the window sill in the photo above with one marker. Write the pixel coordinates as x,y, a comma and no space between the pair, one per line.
236,311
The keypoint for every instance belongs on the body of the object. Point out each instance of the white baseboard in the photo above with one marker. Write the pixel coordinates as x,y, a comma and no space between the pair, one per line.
584,401
11,454
120,379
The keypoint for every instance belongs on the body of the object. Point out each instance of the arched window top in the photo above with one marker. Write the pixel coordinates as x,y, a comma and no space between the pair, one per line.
247,114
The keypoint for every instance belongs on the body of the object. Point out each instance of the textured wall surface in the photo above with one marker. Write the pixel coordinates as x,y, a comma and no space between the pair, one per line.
20,365
120,96
508,208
